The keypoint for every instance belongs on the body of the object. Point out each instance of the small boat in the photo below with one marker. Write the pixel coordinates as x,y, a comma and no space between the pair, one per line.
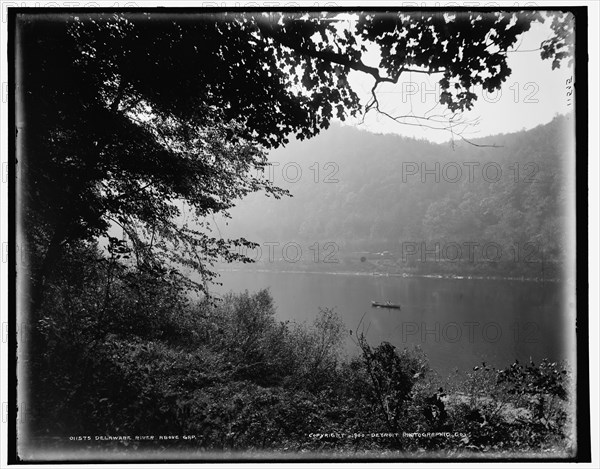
387,304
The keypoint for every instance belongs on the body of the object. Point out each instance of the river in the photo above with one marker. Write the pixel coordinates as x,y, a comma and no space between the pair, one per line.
459,323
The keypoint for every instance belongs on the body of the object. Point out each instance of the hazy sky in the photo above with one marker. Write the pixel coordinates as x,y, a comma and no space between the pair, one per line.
531,96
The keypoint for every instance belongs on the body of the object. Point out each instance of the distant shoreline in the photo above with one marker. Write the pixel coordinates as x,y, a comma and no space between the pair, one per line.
401,275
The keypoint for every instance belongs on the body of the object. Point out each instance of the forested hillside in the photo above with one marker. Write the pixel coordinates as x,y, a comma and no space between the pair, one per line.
374,193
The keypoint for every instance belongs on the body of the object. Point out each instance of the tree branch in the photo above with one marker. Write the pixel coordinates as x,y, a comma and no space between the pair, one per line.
114,107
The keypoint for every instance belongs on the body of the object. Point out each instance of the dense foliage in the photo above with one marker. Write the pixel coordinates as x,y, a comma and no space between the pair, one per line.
124,353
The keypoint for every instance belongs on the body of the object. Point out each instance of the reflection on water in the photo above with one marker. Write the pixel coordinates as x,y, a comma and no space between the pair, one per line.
458,323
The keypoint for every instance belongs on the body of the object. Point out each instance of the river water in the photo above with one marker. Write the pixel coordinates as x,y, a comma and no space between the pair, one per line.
459,323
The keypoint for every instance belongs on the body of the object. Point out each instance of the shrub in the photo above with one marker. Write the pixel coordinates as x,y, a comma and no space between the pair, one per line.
517,408
392,377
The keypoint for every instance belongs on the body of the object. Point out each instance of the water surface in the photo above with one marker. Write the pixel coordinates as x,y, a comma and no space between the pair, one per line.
459,323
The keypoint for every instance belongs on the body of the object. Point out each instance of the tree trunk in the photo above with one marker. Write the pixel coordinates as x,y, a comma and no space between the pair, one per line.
53,254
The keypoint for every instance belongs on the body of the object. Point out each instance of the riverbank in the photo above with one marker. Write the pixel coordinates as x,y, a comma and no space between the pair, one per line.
233,378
